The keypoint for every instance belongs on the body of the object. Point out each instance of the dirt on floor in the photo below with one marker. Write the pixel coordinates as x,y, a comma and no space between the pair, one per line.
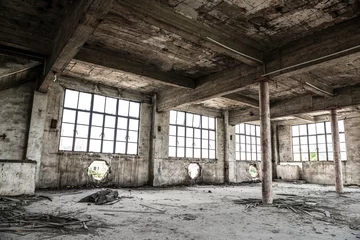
300,211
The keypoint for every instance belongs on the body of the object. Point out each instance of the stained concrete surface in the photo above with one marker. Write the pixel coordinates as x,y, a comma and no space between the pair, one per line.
200,212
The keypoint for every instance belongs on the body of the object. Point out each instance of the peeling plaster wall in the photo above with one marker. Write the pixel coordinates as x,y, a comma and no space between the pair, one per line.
17,175
173,171
320,172
61,169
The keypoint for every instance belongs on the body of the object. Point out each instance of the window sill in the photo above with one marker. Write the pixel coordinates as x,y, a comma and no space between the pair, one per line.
192,159
95,154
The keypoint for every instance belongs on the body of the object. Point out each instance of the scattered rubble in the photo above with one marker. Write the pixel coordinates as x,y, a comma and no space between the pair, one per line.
14,218
101,197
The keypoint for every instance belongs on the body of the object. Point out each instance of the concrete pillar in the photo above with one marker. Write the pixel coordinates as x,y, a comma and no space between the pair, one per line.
336,151
265,134
226,147
152,141
275,148
36,131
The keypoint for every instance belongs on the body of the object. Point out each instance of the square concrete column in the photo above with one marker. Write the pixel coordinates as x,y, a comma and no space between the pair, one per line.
336,151
265,135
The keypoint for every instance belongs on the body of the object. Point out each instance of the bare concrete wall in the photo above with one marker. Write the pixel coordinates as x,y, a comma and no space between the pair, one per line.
173,171
61,169
15,111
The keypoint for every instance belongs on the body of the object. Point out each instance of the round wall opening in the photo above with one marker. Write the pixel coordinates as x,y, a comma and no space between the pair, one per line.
98,170
194,170
253,171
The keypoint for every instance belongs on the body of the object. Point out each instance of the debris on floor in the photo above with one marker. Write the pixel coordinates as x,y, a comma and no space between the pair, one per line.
14,218
102,197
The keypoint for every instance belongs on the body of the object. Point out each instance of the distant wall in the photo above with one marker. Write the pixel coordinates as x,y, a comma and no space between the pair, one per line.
321,172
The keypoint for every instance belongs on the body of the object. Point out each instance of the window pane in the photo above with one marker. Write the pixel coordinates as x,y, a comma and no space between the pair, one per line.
303,140
328,127
96,133
212,123
329,138
189,152
181,141
321,138
189,142
330,147
122,123
248,156
133,124
108,147
237,155
69,116
212,135
95,145
305,157
66,143
342,147
312,139
172,130
304,148
80,145
67,130
134,109
189,119
237,129
212,154
252,130
341,126
172,141
312,129
111,105
97,119
205,153
322,147
205,144
197,143
342,137
242,128
110,121
180,118
197,133
99,103
296,157
343,156
84,101
109,134
172,117
121,135
313,148
82,131
247,129
322,156
123,109
330,156
189,132
320,128
181,131
295,131
302,130
181,152
205,134
83,118
196,121
242,156
212,145
172,151
120,147
204,122
296,149
71,98
237,147
313,156
133,136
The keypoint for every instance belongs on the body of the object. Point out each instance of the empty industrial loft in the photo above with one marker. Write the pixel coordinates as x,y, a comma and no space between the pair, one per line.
179,119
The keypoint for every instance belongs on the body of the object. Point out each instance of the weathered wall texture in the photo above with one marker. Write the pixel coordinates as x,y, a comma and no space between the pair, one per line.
174,171
61,169
17,177
321,172
15,111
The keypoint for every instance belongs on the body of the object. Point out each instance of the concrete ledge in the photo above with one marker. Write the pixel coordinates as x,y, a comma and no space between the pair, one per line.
17,177
288,172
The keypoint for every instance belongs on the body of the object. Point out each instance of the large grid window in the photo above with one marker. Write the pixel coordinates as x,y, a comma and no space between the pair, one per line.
94,123
313,142
248,145
192,135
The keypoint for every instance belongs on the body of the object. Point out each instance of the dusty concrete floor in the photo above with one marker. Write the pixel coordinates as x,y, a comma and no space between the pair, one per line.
201,212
